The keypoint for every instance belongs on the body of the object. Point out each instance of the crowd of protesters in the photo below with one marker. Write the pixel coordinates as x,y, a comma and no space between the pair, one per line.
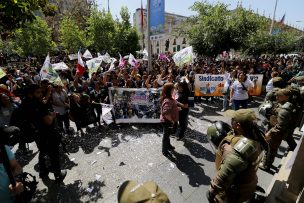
79,97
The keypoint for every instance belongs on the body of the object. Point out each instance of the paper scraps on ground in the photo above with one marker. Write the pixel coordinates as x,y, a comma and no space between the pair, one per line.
93,162
72,159
90,189
97,177
172,165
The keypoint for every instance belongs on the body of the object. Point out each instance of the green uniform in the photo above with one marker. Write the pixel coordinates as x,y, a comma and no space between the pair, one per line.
236,178
283,129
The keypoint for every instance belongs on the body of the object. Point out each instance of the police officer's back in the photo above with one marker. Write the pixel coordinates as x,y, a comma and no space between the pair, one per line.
236,178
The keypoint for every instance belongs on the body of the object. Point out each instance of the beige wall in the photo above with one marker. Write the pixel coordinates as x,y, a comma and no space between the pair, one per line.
158,43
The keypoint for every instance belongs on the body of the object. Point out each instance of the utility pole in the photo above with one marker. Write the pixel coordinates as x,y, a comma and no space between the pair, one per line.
108,6
149,40
273,18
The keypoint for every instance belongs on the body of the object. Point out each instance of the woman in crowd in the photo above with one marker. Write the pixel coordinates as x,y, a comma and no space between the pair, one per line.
61,105
96,96
168,116
226,90
239,91
183,92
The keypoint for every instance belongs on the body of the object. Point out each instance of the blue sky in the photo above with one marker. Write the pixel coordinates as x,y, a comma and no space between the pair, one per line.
292,8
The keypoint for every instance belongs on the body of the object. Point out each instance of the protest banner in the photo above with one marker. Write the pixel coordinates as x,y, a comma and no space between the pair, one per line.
211,85
132,105
208,85
258,89
184,56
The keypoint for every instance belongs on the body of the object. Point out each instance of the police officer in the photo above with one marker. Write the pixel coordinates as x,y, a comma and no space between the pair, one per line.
236,178
267,109
283,127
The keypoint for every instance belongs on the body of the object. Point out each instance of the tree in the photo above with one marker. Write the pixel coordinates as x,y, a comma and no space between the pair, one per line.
126,37
101,31
34,39
71,36
216,29
15,14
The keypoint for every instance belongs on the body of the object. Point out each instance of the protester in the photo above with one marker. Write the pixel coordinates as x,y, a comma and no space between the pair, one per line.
168,117
7,191
239,91
183,93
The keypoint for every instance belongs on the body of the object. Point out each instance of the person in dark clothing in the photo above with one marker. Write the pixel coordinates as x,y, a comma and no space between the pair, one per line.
183,92
38,121
96,96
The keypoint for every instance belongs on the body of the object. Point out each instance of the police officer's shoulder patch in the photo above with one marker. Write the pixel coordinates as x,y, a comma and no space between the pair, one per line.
288,106
245,147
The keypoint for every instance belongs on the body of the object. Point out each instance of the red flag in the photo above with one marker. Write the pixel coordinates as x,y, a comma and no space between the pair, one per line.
80,69
142,16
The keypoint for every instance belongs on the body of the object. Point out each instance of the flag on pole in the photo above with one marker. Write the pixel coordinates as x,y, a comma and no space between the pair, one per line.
87,54
122,62
80,68
132,61
48,72
282,19
142,17
112,64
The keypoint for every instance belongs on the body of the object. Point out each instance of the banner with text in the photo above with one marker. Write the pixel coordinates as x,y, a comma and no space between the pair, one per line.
157,19
132,105
211,85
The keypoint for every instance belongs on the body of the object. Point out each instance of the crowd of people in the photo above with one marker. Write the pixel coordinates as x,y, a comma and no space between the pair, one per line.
43,109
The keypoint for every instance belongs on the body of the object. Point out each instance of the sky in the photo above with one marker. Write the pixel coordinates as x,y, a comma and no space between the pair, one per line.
293,9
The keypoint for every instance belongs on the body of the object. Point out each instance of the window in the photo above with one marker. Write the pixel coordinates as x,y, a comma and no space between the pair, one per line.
184,41
157,44
178,47
174,42
158,50
174,49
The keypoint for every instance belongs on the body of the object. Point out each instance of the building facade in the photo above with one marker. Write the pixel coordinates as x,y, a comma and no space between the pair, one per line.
170,41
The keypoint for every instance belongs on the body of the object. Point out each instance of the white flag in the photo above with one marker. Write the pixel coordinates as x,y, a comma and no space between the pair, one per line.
132,61
87,54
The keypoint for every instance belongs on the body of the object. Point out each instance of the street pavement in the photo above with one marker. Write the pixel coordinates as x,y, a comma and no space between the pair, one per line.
100,161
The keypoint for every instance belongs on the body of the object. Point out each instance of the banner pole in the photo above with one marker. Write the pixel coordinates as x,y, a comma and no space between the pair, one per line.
149,40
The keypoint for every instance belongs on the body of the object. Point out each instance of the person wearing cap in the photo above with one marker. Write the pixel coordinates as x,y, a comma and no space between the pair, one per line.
267,108
283,125
236,179
147,192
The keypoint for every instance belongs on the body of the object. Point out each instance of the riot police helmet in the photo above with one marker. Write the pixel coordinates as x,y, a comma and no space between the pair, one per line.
218,131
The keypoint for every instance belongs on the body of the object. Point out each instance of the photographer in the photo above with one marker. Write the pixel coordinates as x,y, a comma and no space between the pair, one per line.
7,191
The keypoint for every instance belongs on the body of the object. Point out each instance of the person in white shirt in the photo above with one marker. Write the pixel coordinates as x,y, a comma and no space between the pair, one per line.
269,86
239,91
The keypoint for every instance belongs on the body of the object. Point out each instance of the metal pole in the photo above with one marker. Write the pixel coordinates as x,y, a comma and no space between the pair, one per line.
149,41
273,18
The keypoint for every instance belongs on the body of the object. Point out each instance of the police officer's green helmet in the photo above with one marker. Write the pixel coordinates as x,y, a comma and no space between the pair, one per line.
217,132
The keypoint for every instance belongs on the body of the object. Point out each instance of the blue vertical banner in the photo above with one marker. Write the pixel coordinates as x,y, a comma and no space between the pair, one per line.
157,17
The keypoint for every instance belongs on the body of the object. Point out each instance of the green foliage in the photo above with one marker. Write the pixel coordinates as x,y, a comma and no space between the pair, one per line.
34,39
126,37
215,29
105,34
16,13
71,37
101,30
